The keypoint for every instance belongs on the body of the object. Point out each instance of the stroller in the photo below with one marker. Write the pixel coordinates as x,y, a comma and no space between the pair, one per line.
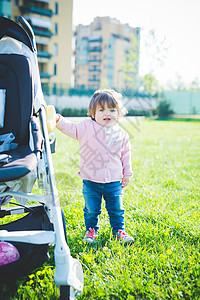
25,158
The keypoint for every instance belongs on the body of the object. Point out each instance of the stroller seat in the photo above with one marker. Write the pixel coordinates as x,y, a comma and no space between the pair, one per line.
22,162
16,80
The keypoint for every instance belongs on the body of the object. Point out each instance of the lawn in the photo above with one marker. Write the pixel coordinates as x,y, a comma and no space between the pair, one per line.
162,205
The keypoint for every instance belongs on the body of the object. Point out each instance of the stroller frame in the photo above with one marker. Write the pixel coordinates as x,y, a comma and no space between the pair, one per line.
68,271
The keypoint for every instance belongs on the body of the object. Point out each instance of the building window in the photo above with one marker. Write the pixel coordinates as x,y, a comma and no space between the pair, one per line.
55,49
54,88
97,26
41,67
55,69
16,2
56,28
56,8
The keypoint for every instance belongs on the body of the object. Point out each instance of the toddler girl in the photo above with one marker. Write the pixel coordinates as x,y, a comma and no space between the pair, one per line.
105,161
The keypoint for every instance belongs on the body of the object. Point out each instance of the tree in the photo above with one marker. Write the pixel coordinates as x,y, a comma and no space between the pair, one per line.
155,53
195,85
130,65
164,109
149,84
179,83
156,49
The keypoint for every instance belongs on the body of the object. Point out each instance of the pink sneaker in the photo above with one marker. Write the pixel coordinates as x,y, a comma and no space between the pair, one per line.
90,236
123,237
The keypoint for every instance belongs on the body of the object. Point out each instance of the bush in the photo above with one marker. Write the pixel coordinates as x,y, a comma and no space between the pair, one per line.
145,113
74,112
164,109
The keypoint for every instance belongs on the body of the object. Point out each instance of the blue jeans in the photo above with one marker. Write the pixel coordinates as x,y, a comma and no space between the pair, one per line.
112,194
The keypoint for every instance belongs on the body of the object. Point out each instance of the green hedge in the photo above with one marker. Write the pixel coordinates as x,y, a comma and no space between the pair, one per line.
75,112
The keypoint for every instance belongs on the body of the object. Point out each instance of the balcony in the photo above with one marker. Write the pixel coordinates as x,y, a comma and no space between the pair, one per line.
5,8
94,70
42,32
39,22
45,1
94,79
45,75
94,49
94,60
41,41
95,39
30,9
44,54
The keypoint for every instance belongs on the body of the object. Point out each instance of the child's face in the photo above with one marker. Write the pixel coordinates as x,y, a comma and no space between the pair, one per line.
106,116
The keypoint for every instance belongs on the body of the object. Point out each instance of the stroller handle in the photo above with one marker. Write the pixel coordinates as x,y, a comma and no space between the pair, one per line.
29,30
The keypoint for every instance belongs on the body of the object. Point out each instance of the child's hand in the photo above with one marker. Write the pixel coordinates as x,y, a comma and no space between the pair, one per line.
57,118
125,180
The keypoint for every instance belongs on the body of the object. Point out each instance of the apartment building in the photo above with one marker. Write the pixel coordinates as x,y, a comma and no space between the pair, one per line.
99,52
51,21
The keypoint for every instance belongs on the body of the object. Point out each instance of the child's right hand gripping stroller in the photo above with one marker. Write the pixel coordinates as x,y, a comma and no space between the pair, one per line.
25,156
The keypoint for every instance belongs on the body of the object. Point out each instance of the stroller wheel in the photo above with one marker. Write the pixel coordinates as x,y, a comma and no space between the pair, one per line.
64,289
64,292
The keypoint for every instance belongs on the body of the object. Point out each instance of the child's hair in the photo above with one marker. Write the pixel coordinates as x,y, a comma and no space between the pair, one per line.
108,96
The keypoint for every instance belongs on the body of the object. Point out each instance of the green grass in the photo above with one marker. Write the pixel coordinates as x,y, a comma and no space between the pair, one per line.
162,213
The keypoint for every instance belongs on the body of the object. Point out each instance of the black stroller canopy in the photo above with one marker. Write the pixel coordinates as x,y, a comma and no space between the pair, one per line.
12,29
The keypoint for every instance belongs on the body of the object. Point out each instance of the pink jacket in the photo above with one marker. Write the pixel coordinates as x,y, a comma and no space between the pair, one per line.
101,160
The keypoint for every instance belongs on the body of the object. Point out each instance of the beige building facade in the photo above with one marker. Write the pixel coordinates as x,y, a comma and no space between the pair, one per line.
51,21
99,53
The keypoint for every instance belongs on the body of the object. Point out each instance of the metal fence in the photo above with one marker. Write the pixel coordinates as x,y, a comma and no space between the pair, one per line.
181,102
184,103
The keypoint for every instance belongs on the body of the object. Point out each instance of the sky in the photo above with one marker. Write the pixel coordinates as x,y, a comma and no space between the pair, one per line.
176,21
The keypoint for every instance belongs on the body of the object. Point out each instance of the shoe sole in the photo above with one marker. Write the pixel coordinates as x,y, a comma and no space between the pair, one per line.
89,240
127,242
